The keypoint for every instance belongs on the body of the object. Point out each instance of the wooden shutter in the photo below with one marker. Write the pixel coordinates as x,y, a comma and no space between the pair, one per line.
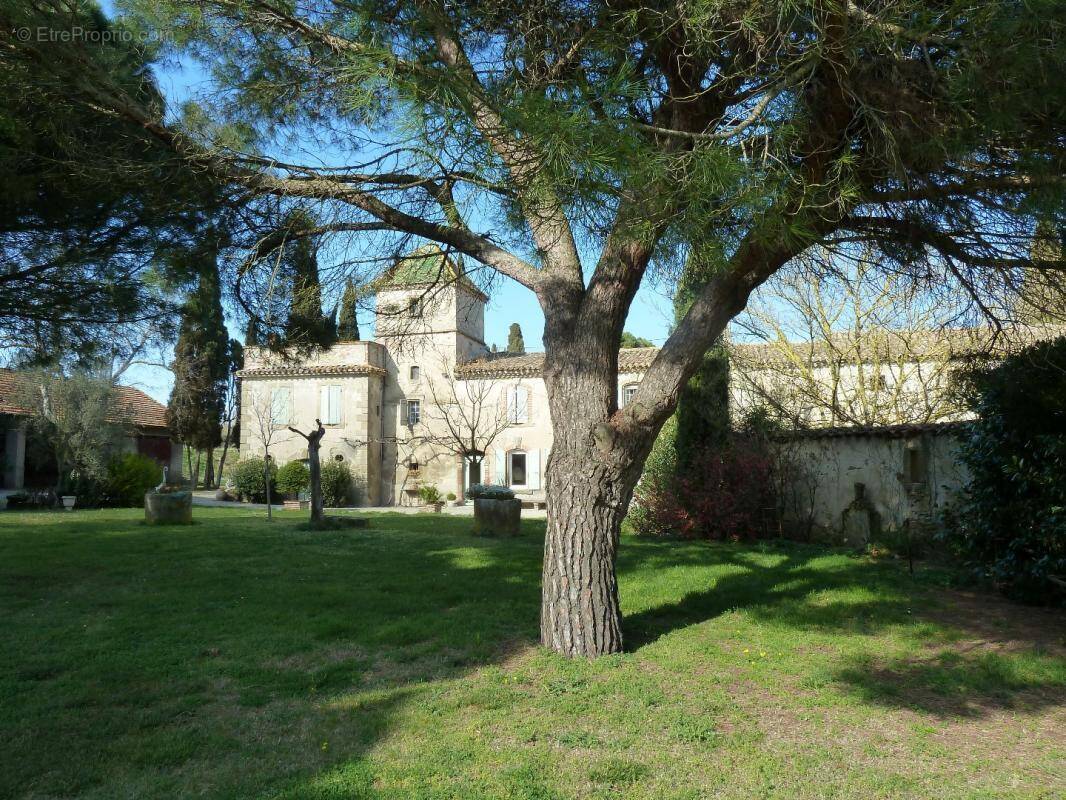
533,469
501,468
334,405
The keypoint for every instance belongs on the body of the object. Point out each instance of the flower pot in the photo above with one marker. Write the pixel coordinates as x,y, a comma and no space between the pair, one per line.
497,517
68,501
435,507
168,508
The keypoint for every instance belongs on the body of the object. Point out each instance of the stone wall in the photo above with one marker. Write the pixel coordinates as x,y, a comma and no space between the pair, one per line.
854,485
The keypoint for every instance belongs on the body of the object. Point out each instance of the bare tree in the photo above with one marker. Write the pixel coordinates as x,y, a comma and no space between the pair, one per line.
851,349
265,417
464,417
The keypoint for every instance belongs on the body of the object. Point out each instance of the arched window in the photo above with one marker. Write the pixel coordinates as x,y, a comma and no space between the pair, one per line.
416,373
628,391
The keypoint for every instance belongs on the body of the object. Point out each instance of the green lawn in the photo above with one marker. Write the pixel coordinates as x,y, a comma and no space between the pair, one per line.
237,658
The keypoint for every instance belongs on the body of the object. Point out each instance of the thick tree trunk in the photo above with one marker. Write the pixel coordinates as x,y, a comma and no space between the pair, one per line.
589,480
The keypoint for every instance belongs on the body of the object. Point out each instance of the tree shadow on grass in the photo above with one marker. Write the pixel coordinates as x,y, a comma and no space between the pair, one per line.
960,685
782,590
144,651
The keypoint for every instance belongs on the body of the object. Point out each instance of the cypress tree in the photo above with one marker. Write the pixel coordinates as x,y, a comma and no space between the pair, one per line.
306,327
347,324
201,360
515,342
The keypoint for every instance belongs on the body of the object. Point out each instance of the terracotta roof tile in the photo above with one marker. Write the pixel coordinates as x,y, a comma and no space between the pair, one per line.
508,365
300,371
131,405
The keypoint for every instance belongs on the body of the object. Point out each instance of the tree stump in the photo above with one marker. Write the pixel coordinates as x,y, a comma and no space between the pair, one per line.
497,517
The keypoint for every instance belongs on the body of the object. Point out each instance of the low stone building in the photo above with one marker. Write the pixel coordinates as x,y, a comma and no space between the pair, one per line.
144,418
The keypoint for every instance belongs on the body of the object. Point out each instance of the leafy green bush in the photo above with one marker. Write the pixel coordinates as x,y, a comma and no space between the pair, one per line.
336,484
1009,524
129,476
487,491
293,478
429,494
450,496
247,479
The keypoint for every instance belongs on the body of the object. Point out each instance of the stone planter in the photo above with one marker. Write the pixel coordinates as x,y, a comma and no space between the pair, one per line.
497,517
168,508
434,507
68,501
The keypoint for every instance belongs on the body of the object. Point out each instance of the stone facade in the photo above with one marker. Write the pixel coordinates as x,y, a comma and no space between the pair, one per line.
396,422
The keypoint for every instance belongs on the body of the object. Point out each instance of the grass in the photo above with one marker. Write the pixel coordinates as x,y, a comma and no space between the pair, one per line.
236,658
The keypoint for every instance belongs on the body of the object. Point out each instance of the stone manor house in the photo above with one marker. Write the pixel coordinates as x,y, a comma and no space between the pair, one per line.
426,402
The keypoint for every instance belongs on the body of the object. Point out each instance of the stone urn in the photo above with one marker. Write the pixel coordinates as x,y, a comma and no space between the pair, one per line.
68,501
168,507
497,517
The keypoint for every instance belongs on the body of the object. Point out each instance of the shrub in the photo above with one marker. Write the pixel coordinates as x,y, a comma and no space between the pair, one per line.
487,491
450,496
129,476
248,480
336,484
293,478
726,493
429,494
1009,522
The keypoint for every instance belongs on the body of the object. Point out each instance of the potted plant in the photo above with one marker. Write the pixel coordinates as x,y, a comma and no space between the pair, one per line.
452,500
430,496
496,511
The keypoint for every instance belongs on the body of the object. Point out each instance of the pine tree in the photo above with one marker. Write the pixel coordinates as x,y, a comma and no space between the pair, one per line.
515,343
347,324
201,359
251,334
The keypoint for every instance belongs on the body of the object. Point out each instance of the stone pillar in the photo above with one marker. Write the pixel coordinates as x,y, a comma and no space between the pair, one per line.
14,458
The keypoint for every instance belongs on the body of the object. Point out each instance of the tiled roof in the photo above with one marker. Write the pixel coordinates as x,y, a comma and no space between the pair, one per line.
131,405
427,266
507,365
904,431
301,371
890,346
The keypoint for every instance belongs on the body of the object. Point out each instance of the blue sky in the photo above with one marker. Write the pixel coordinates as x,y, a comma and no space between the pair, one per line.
182,78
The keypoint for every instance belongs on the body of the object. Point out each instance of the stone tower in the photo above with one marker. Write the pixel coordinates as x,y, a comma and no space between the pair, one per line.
430,317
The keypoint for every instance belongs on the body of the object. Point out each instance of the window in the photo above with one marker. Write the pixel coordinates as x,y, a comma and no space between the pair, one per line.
518,469
412,465
627,394
414,307
518,405
416,373
338,458
414,412
331,405
281,406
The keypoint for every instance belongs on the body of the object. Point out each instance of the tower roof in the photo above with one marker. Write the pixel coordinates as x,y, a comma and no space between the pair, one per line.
427,265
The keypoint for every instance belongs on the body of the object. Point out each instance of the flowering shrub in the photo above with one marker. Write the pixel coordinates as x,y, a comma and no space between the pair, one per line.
726,493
